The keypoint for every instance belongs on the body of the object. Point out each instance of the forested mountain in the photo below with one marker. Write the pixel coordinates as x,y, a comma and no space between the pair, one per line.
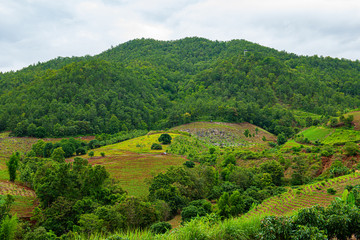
150,84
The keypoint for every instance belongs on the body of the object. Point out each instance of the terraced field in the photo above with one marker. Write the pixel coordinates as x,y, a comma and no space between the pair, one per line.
305,196
330,135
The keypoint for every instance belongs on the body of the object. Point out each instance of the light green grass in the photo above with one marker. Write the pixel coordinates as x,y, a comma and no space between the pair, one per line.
137,145
331,136
342,136
317,133
132,162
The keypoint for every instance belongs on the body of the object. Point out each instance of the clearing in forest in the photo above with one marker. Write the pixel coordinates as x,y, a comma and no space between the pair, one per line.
229,134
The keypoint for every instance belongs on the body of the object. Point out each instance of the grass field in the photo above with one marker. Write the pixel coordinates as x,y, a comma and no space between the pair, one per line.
133,161
301,116
228,134
331,136
317,133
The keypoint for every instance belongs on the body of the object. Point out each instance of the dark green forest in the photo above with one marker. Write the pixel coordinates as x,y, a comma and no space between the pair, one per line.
150,84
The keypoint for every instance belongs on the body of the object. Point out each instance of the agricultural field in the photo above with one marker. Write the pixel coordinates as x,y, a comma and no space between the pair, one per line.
301,116
132,162
228,134
25,198
304,196
330,136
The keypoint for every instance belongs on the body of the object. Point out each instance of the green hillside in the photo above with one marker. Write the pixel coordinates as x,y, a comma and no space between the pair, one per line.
330,135
150,84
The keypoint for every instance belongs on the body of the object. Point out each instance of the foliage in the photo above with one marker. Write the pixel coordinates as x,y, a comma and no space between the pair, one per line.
165,87
165,138
12,165
91,153
156,146
160,227
189,164
351,148
331,191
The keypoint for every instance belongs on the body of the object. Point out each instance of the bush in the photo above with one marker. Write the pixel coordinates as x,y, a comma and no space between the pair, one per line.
189,164
80,151
281,139
156,146
91,153
351,149
102,154
165,138
331,191
160,227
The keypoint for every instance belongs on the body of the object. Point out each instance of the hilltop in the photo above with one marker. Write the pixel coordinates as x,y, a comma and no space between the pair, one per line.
150,84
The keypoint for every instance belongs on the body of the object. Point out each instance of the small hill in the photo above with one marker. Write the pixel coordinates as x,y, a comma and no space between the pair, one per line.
227,134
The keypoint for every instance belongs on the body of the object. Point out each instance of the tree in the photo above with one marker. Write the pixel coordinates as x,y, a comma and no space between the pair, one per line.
309,121
281,139
47,149
165,138
156,146
114,125
58,155
246,132
38,148
275,170
31,130
12,165
351,148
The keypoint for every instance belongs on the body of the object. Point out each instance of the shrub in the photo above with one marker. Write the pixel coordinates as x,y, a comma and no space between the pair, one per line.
272,144
331,191
91,153
156,146
281,139
165,138
160,227
102,154
189,164
351,149
80,151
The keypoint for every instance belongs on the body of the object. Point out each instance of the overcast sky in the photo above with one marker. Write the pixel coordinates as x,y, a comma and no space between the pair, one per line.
40,30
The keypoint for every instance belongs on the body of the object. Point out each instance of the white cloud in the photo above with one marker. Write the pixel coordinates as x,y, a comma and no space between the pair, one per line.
39,30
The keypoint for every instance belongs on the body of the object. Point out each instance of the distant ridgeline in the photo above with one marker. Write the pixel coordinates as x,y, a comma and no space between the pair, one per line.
149,84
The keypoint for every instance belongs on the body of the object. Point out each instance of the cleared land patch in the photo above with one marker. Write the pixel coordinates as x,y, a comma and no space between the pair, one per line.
228,134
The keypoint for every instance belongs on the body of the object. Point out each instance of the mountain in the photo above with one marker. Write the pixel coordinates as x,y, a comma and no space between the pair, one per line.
150,84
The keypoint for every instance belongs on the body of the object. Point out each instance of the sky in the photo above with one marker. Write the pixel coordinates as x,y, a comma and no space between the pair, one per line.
33,31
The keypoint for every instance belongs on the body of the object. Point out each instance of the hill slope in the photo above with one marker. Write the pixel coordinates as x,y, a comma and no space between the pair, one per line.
227,134
149,84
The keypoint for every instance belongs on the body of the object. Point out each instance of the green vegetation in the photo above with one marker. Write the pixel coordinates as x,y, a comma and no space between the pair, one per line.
330,136
235,162
131,87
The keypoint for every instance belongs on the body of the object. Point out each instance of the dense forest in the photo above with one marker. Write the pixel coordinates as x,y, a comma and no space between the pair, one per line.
149,84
